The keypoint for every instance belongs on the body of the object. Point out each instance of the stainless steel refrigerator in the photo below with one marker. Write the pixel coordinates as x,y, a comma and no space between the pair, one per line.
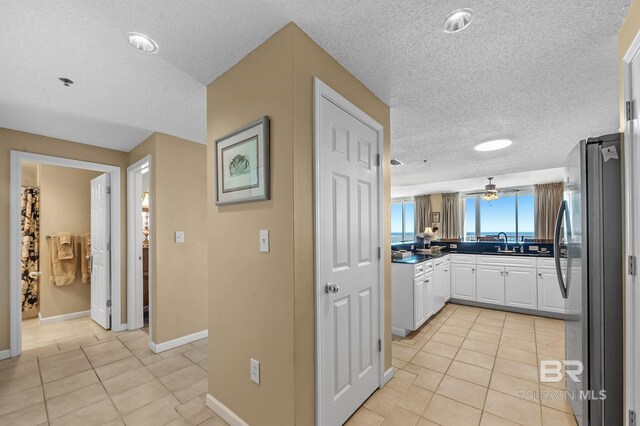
588,249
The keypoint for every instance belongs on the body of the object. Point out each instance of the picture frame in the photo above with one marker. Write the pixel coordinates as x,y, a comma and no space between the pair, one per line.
435,217
242,164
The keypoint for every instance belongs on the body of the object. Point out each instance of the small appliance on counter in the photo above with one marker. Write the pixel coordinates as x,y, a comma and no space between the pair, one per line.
401,254
426,238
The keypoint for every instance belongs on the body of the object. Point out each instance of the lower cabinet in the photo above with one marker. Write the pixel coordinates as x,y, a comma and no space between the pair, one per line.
520,287
490,284
422,299
463,281
441,284
549,296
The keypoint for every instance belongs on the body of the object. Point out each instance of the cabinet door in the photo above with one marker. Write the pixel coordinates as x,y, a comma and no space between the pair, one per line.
430,303
549,296
521,287
419,303
464,281
491,284
439,283
447,282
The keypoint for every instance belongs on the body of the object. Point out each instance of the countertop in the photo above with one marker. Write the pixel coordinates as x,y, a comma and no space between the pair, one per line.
418,258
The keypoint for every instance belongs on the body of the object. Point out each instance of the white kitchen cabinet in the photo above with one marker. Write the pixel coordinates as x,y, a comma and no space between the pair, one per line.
411,296
520,287
549,297
490,284
463,281
441,283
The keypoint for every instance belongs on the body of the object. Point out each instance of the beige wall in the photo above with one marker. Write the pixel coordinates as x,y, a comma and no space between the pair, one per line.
20,141
65,206
262,305
626,35
30,174
178,203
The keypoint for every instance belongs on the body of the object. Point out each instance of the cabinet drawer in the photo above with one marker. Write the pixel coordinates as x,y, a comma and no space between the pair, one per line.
504,260
463,258
550,263
423,268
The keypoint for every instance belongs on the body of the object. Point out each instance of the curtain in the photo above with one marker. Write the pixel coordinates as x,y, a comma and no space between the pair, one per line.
451,215
422,216
548,197
30,259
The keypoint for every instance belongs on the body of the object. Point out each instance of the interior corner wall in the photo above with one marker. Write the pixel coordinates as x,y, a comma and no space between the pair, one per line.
251,308
65,206
179,273
262,305
626,35
28,142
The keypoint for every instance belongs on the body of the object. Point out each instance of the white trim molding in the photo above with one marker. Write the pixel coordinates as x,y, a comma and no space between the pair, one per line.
165,346
15,290
5,354
224,412
388,375
64,317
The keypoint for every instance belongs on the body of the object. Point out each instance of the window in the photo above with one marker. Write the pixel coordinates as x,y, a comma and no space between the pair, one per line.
511,214
402,217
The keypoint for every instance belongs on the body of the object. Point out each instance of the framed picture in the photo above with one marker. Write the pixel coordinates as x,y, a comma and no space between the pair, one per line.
242,164
435,217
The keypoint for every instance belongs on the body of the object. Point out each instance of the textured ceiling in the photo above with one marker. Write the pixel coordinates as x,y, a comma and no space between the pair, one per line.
543,73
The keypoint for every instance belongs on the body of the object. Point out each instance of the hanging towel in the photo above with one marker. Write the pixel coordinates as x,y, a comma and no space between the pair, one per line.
85,257
63,271
64,245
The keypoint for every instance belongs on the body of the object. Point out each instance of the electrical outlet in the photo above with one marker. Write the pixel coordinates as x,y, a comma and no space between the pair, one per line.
533,248
255,371
453,246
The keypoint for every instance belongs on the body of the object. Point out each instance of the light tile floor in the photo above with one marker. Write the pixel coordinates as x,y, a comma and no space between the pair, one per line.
470,366
81,374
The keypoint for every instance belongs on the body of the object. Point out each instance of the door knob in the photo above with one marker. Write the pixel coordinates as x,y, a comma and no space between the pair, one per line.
331,288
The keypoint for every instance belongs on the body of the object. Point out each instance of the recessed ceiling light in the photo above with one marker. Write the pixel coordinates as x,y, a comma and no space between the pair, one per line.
458,20
396,162
142,42
493,145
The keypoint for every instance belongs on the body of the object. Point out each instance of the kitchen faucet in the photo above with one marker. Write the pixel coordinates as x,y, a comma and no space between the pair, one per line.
506,245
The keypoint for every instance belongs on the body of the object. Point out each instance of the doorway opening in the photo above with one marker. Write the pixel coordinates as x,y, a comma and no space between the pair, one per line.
139,245
64,249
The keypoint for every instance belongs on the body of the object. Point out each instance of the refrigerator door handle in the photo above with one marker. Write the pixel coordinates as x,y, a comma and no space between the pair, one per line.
556,247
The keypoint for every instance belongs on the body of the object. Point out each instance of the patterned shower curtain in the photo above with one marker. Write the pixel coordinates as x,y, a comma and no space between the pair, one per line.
30,247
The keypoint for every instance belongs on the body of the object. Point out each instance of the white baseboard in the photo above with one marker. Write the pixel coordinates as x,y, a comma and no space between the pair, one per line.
65,317
165,346
388,375
224,412
5,354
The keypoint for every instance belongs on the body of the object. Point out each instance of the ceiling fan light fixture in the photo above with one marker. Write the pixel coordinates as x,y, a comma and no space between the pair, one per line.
493,145
458,20
142,42
490,191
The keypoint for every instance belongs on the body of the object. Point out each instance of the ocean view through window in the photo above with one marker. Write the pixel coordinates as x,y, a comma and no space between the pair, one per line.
512,214
402,220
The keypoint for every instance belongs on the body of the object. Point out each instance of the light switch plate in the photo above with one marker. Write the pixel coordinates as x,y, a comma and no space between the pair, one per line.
179,236
264,241
255,371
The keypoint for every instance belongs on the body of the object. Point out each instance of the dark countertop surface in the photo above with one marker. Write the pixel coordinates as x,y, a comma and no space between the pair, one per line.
418,258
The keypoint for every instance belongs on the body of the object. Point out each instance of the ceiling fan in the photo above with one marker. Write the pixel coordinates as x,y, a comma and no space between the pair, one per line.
490,191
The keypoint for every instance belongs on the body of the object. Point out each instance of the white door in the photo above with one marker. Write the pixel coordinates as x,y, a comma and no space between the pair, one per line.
447,280
491,284
438,286
347,263
100,251
521,288
549,296
464,281
419,302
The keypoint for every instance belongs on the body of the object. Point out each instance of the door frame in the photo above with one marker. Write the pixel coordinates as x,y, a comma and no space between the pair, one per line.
134,239
322,90
15,290
632,240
